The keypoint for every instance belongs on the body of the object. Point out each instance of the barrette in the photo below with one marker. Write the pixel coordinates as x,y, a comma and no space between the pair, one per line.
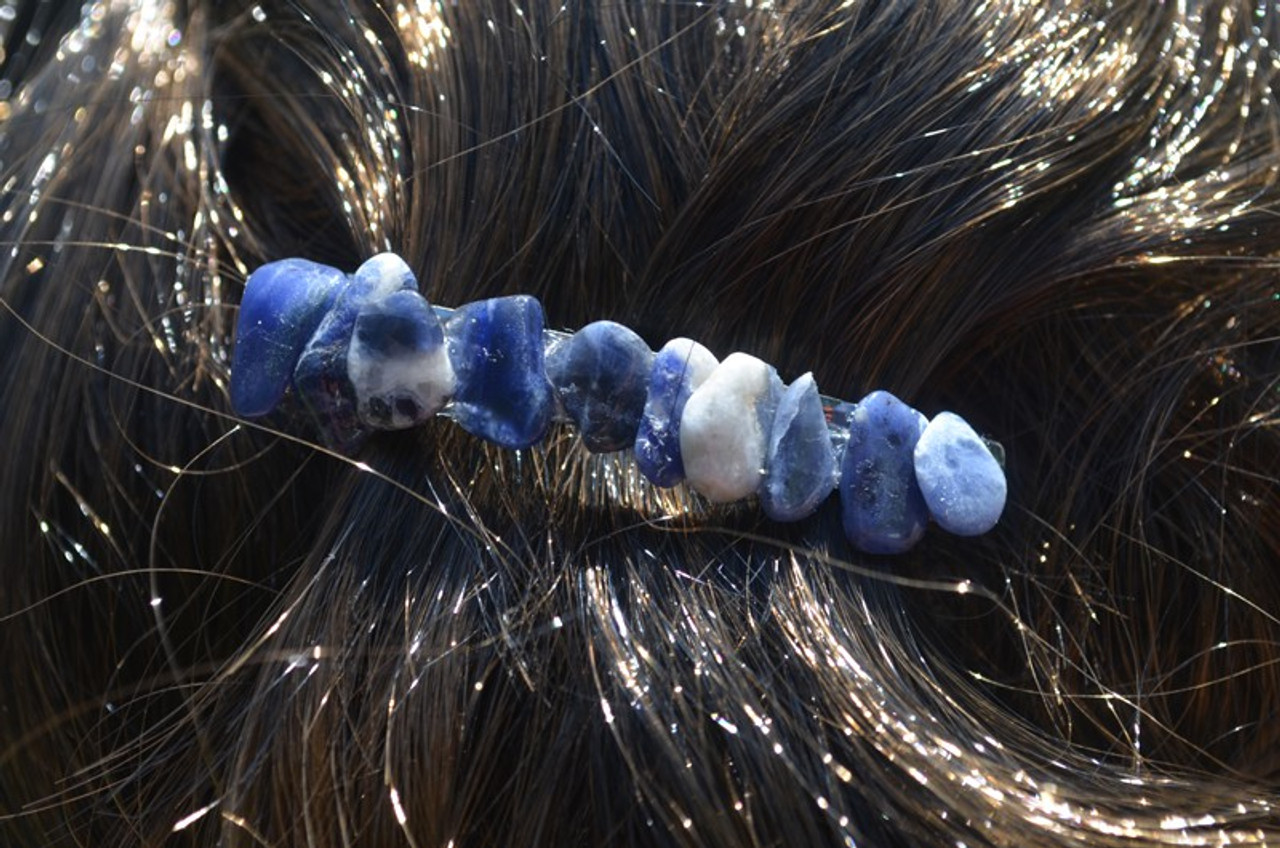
366,352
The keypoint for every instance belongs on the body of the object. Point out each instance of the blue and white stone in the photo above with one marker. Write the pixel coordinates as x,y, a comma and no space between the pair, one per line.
397,362
881,504
321,376
962,483
385,273
283,304
800,463
501,391
725,427
600,375
678,369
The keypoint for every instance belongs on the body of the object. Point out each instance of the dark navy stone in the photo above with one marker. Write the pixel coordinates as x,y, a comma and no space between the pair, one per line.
677,370
961,481
800,463
502,394
283,304
883,510
321,377
600,374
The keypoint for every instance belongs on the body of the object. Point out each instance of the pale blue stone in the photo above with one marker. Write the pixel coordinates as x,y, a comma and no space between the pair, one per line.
962,483
397,361
883,509
322,377
680,367
800,462
502,394
600,374
283,304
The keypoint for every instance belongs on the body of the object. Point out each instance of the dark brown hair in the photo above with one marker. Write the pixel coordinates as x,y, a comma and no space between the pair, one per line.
1058,219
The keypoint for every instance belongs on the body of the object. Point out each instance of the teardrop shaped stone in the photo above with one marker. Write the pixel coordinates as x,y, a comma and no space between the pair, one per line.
962,483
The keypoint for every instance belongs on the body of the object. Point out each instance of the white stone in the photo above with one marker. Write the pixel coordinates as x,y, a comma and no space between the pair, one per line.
722,439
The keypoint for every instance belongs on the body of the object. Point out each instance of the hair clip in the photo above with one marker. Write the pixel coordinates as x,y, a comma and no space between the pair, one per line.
366,352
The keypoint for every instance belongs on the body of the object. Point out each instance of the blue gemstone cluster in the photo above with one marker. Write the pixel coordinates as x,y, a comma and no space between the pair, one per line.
366,352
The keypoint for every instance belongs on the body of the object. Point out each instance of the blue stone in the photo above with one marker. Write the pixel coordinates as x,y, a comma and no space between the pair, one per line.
800,464
321,377
600,374
397,361
680,367
883,510
283,304
321,380
962,483
502,394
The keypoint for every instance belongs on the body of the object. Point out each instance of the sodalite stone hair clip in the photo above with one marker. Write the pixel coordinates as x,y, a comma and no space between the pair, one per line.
366,352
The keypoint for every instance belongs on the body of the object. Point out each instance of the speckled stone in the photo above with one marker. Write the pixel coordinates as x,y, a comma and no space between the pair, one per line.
962,483
800,462
883,509
501,393
724,428
321,377
283,304
600,374
397,362
680,367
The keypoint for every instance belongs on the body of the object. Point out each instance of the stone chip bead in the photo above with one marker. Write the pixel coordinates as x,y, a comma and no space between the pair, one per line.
600,374
881,504
962,483
283,304
678,369
800,463
321,376
501,391
724,428
397,362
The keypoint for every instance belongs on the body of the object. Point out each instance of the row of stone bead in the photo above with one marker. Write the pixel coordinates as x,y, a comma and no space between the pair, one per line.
367,351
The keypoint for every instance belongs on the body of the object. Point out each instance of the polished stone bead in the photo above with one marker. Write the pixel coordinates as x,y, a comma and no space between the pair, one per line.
501,394
283,304
322,378
724,428
600,374
397,362
883,510
962,484
800,463
385,273
680,367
